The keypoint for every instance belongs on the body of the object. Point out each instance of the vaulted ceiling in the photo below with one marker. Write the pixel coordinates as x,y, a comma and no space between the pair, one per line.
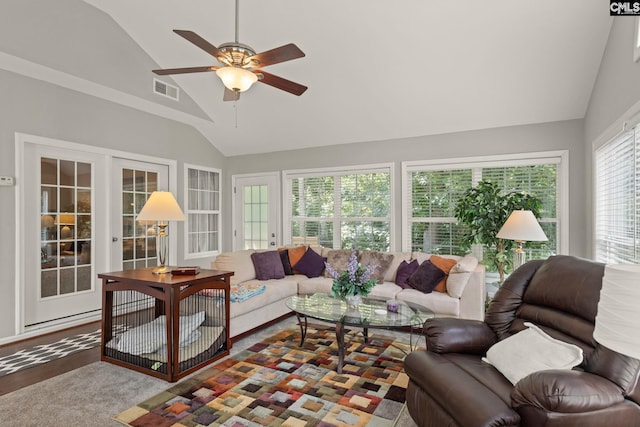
381,69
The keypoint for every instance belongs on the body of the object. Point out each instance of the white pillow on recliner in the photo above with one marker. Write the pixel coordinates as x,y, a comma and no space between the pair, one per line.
529,351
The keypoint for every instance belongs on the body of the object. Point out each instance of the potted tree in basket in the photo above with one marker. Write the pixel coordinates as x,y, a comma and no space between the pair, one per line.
483,209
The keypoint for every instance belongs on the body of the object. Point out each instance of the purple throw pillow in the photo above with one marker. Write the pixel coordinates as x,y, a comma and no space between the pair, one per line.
268,265
405,270
426,277
286,264
311,264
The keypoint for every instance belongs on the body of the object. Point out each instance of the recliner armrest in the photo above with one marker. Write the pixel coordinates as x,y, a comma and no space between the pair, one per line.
565,391
450,335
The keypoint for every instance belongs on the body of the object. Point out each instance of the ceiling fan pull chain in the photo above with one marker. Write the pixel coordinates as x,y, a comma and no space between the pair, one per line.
235,108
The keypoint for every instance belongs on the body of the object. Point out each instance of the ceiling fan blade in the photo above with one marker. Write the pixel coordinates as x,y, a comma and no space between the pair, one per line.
230,95
279,54
166,71
283,84
199,41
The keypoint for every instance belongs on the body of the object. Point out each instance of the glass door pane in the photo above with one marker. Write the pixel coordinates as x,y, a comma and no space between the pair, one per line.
138,237
66,234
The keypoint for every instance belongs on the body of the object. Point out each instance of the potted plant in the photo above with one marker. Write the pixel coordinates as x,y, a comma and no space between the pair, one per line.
483,209
353,282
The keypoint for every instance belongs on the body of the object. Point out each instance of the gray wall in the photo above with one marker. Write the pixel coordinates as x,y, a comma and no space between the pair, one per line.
38,108
517,139
617,88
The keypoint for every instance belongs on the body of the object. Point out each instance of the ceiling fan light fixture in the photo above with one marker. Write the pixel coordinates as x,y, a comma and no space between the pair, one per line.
236,79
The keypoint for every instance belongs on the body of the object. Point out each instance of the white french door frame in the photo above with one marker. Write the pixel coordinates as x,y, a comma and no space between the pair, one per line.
103,233
276,199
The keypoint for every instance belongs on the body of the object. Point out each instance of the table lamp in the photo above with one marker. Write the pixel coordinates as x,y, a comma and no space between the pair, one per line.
521,226
618,318
162,207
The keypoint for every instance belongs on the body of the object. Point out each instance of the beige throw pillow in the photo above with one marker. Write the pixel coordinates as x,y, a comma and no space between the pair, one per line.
382,260
529,351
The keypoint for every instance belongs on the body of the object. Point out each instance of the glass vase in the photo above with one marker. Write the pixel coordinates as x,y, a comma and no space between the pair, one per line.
353,301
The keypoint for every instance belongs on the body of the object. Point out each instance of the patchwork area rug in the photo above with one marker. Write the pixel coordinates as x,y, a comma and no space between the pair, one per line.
277,383
40,354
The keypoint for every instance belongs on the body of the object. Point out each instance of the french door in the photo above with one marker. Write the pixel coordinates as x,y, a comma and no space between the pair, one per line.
133,243
77,218
256,204
63,247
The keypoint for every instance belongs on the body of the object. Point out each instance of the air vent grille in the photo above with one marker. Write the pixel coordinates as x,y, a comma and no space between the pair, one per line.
165,89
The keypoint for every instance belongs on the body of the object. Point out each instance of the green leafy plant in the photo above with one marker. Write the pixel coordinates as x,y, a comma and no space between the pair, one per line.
355,280
483,209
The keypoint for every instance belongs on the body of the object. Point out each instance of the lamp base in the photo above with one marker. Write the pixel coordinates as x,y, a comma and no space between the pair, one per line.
519,256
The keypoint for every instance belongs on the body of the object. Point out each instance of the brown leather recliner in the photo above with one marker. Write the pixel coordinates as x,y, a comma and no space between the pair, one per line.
451,386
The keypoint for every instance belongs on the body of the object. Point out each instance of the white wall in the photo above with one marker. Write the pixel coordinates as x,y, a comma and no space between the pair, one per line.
517,139
34,107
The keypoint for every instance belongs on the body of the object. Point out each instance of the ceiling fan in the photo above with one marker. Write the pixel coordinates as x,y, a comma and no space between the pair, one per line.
241,65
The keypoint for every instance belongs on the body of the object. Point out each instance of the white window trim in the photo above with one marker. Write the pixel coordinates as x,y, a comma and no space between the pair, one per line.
287,175
560,157
185,203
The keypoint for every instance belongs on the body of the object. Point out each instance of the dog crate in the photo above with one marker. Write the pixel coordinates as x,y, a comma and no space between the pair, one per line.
165,325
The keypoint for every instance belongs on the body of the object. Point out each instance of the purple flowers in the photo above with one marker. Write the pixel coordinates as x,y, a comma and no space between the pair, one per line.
355,280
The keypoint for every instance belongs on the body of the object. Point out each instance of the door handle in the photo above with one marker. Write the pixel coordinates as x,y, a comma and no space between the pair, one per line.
114,239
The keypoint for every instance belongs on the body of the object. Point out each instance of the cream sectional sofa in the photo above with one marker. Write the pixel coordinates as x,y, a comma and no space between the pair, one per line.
270,305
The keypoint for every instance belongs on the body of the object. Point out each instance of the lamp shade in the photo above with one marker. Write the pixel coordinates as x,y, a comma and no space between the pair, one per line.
236,79
522,225
618,317
161,206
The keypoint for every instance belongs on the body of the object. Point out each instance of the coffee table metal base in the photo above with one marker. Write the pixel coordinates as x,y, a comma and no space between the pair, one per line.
302,322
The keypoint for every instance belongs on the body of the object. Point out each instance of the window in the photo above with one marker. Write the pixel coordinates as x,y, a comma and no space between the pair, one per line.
340,208
432,190
636,41
202,211
617,200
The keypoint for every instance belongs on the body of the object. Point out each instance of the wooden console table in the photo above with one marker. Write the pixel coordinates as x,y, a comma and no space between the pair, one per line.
141,296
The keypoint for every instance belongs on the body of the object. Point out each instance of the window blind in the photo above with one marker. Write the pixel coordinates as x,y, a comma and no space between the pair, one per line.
340,208
433,190
617,200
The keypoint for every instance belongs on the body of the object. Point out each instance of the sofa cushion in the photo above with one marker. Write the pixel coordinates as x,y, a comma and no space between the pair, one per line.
268,265
466,264
239,262
444,264
405,270
529,351
381,260
314,285
426,277
386,290
460,274
275,290
286,264
398,257
438,302
338,259
295,254
311,264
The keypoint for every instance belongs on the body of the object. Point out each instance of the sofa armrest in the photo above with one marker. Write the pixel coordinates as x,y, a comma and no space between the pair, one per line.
472,301
565,391
449,335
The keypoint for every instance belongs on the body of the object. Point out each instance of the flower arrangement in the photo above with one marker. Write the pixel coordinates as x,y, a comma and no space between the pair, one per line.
355,280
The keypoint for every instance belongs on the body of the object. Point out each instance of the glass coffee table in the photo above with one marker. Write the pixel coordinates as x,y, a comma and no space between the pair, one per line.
371,313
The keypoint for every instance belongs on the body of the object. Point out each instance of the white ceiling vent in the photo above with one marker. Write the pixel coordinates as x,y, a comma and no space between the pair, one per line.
165,89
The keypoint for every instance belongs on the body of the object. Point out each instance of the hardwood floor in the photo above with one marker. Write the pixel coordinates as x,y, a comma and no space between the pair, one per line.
26,377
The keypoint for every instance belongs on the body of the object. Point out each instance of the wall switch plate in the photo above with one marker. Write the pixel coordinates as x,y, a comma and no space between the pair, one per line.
6,180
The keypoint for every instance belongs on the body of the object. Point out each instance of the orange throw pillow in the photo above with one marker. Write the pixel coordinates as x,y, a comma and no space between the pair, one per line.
444,264
295,254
